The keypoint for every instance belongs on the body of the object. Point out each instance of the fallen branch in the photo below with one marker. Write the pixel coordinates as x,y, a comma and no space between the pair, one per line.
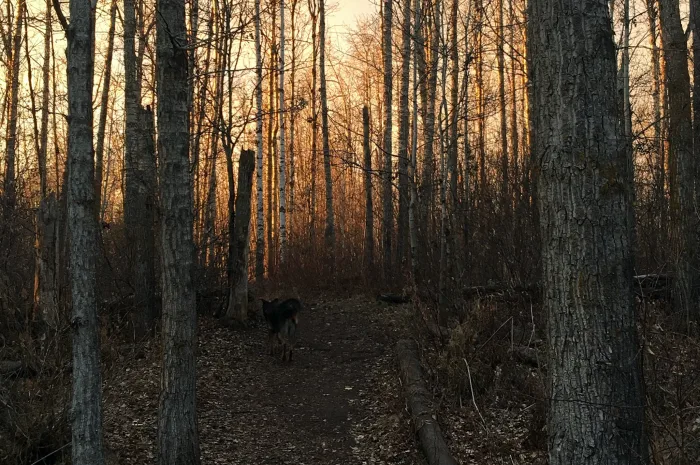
421,406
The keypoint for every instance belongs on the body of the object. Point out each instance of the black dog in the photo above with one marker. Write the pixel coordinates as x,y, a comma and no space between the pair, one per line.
282,318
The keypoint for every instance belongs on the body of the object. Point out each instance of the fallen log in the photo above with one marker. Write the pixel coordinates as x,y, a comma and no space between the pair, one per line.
421,406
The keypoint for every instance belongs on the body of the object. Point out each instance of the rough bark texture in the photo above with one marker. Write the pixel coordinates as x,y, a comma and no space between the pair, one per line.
330,219
140,185
178,441
238,294
46,286
402,220
660,168
422,406
387,170
505,179
369,212
413,204
259,218
45,72
86,408
314,116
596,396
681,164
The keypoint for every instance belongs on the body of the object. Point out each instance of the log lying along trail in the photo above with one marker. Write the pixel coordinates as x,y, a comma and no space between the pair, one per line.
421,406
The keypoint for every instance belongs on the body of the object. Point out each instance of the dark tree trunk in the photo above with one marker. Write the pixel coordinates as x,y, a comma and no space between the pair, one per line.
178,440
239,242
585,190
86,405
369,212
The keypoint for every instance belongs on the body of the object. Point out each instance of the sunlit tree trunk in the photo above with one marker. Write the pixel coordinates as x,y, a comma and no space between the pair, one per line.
402,220
271,146
104,109
453,149
292,121
259,218
178,440
387,208
369,212
314,116
479,63
86,403
514,134
330,219
596,400
282,167
681,162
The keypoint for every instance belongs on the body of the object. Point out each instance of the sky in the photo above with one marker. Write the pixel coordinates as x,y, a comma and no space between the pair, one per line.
346,12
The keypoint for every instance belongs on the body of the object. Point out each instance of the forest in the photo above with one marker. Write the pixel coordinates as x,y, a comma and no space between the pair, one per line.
350,231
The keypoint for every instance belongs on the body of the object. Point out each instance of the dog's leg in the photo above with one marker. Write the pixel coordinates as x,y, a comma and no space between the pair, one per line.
271,342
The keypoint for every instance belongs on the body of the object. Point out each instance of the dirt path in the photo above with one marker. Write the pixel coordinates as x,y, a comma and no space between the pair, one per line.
338,402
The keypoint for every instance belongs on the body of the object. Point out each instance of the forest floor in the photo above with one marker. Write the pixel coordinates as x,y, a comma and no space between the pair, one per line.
338,402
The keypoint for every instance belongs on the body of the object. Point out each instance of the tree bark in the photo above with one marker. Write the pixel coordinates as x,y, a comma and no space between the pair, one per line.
178,440
402,220
282,167
681,163
11,139
259,217
413,204
104,108
314,116
330,217
369,212
86,405
505,178
387,170
584,198
238,293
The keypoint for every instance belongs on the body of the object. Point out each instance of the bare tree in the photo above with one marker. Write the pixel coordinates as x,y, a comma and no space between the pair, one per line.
387,209
402,220
330,220
178,440
260,225
680,161
11,137
369,212
86,403
282,167
584,191
238,293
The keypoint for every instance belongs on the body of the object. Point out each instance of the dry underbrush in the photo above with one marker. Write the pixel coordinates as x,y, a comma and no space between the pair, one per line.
489,375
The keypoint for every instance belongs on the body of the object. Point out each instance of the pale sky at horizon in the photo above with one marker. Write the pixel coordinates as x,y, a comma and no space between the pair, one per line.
346,12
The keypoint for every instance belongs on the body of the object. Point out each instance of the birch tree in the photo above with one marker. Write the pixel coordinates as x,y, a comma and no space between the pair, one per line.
387,210
584,196
86,403
282,167
259,217
402,220
178,440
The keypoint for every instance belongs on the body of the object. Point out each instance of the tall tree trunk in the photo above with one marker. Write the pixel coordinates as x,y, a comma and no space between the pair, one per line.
11,138
505,180
514,135
178,440
282,167
271,143
259,218
453,149
140,180
402,220
480,111
86,405
238,293
413,204
104,107
292,120
681,162
369,212
695,21
596,396
330,220
387,204
45,70
427,187
314,117
660,171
